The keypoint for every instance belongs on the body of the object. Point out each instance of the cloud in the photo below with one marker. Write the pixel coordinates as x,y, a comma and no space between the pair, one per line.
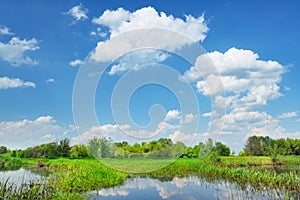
98,32
78,12
188,139
25,133
209,114
138,59
116,69
172,114
14,51
286,88
288,115
188,118
6,83
248,81
75,63
121,21
4,30
50,80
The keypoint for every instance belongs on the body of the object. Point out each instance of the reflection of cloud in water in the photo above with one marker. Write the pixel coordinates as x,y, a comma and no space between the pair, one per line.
190,187
186,187
113,192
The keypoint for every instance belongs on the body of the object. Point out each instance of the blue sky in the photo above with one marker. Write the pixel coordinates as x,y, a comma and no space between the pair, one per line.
253,45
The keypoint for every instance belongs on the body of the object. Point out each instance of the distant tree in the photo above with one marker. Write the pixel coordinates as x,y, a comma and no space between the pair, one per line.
100,147
253,146
64,148
232,153
242,153
79,151
3,150
221,149
178,149
13,153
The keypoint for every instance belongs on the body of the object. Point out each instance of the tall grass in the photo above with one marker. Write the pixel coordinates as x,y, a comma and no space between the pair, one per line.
243,175
33,190
84,175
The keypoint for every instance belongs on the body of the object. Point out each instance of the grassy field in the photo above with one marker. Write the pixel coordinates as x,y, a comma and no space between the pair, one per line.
74,176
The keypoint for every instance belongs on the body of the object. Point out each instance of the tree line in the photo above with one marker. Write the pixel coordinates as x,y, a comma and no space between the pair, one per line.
266,146
104,147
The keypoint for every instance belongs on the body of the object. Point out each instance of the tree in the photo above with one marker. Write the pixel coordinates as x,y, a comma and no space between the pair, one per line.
3,150
253,146
64,148
79,151
221,149
178,149
100,147
13,153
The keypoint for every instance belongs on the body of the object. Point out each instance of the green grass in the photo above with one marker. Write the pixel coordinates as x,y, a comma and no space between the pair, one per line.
137,165
84,174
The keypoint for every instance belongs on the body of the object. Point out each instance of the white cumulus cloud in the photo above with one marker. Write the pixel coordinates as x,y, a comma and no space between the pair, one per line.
288,115
25,133
50,80
121,21
78,12
75,63
4,30
6,83
14,52
172,114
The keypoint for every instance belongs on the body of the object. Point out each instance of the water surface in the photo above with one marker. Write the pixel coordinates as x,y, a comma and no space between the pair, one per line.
189,187
24,175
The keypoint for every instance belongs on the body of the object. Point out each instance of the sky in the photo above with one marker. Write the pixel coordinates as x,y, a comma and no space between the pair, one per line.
141,70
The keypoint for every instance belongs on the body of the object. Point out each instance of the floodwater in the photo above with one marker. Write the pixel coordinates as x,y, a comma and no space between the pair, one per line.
191,187
24,175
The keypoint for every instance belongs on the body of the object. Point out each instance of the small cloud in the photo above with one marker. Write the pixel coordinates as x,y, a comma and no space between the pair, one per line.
286,88
93,33
99,32
172,114
209,114
298,120
4,30
189,118
78,12
76,62
50,80
117,69
287,115
6,83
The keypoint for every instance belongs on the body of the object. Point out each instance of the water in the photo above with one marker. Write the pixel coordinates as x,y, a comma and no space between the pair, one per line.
189,187
24,175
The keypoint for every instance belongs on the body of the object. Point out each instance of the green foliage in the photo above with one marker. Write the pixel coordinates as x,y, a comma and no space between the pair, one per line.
242,153
3,150
213,157
266,146
221,149
100,147
79,151
64,148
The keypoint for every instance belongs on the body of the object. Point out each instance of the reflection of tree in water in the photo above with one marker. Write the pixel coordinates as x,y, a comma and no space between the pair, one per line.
41,171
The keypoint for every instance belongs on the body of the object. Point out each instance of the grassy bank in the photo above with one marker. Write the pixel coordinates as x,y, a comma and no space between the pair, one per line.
84,174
